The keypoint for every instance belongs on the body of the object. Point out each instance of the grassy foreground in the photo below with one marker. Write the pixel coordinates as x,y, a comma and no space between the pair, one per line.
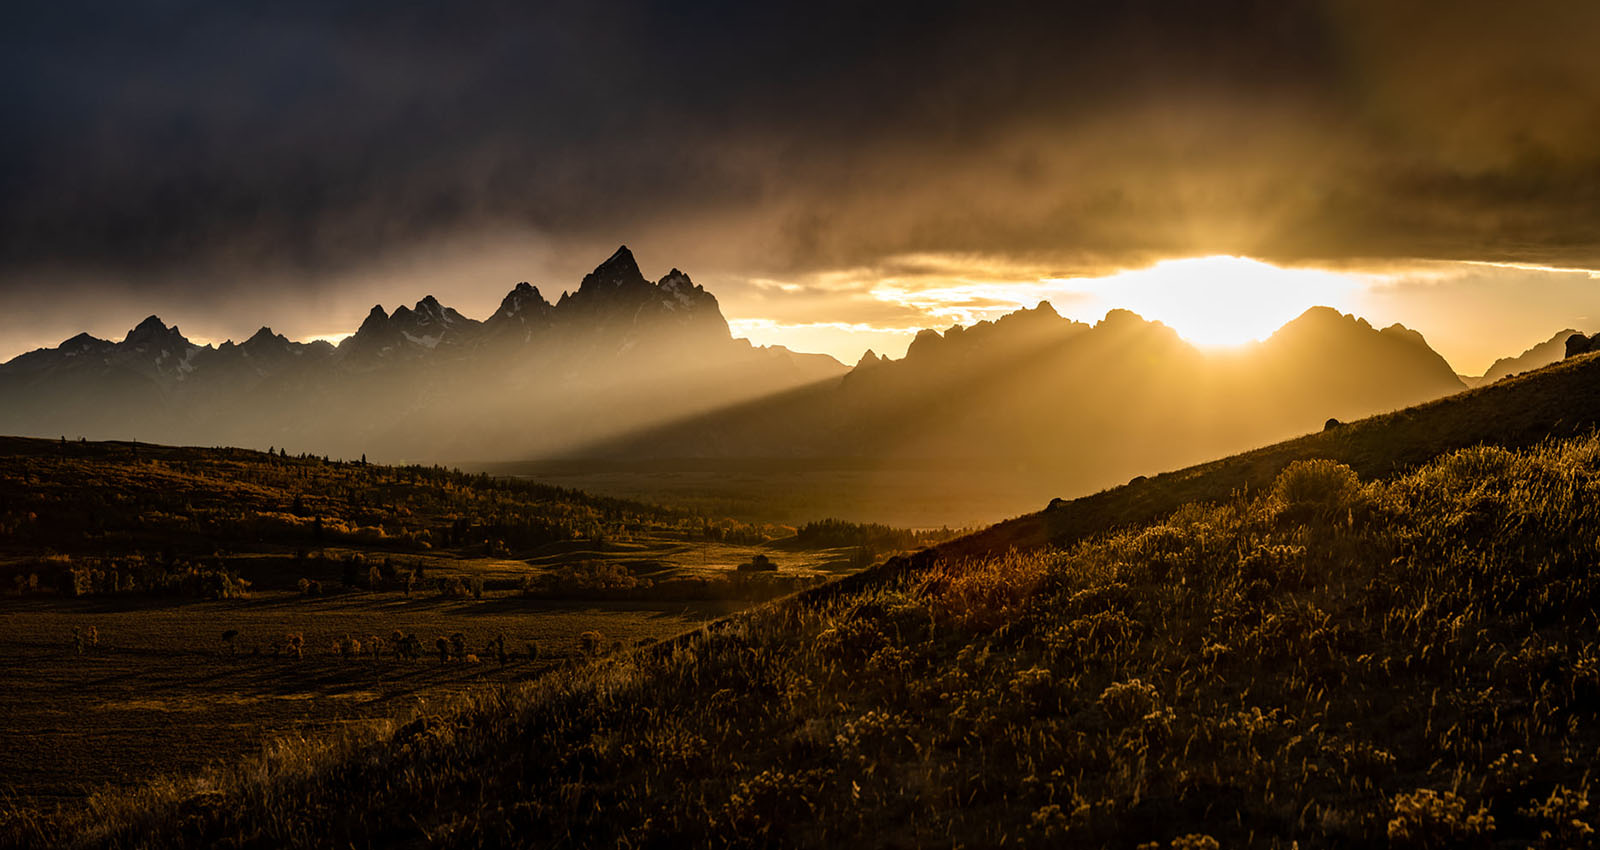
1411,661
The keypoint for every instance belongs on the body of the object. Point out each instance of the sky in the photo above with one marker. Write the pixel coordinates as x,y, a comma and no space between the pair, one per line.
838,173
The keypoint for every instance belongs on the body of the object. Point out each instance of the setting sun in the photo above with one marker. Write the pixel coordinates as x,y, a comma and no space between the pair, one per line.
1218,301
1210,301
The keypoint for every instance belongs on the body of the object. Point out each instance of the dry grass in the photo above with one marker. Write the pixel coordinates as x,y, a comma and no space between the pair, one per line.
1331,663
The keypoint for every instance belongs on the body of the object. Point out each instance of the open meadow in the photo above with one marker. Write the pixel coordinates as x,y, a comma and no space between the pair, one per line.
165,609
161,692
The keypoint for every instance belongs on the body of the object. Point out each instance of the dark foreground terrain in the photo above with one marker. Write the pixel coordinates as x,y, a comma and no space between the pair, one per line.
1397,645
160,693
164,610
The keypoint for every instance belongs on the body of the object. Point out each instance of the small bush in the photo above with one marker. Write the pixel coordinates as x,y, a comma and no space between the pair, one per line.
1427,819
1562,818
1128,701
1317,488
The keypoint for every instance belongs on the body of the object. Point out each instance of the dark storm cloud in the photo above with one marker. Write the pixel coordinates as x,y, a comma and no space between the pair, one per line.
185,141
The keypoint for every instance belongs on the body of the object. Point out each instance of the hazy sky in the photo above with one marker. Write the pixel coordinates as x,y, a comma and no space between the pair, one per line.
837,173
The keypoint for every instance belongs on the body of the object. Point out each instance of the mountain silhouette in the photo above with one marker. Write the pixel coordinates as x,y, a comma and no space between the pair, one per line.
422,382
1074,407
623,367
1543,354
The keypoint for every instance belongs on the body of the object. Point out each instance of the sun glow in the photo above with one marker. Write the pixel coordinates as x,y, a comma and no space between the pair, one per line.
1221,300
1210,301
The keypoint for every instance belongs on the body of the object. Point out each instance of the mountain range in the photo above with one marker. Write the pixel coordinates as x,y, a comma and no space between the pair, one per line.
1074,407
623,367
422,382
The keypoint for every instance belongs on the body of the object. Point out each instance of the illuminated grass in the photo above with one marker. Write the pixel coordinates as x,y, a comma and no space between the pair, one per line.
1332,663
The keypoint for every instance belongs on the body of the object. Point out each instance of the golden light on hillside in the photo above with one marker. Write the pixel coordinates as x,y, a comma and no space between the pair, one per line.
1221,300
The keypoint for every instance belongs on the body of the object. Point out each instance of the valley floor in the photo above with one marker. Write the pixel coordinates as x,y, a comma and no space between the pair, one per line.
161,693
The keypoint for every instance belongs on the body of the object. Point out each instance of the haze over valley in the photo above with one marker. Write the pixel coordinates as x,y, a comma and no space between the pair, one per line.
638,388
1155,425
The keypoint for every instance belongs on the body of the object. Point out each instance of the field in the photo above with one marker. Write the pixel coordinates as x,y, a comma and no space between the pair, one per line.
915,494
161,693
163,551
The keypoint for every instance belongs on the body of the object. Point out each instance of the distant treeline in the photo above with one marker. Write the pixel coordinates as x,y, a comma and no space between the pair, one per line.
124,576
609,581
835,533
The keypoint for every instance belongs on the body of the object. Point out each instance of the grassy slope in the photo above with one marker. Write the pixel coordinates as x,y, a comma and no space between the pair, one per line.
1326,661
111,496
1557,401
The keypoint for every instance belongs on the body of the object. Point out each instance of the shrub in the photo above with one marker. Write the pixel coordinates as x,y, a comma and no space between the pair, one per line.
1128,701
1427,818
588,578
1317,488
1560,818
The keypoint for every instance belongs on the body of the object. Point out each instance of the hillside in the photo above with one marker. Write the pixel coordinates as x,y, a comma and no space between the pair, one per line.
1272,649
1561,400
82,497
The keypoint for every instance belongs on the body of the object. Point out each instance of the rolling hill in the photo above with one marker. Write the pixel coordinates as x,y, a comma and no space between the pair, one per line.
1380,633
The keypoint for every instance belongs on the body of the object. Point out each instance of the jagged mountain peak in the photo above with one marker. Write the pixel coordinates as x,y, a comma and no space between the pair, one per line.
1323,317
83,341
1399,331
870,359
522,298
619,271
152,329
1044,309
1121,318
